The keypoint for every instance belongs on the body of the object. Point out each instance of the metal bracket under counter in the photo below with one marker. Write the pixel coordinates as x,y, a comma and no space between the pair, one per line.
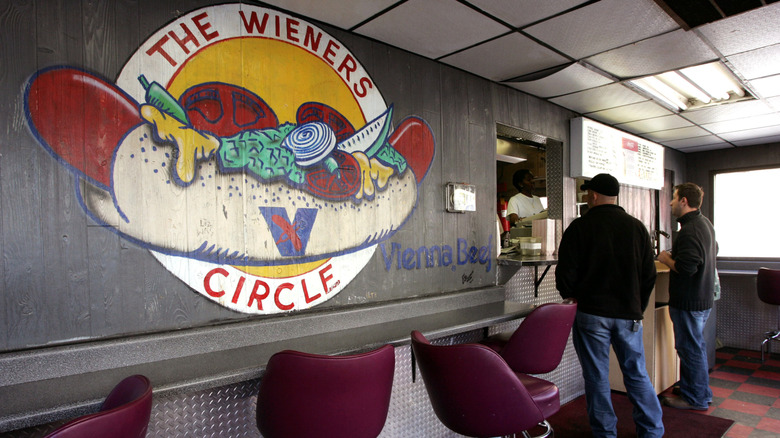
510,264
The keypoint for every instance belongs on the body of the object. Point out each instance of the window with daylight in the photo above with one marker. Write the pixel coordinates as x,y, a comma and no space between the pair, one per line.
746,212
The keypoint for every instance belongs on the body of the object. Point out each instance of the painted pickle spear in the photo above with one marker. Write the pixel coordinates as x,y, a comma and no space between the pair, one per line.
287,151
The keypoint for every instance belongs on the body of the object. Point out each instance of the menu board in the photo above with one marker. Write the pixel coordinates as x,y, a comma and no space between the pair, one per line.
597,148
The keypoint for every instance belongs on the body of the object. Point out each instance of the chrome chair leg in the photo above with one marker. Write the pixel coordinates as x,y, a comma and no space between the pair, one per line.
766,344
548,433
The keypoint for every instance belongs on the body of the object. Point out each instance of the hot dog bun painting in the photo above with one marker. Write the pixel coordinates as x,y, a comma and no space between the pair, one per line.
249,151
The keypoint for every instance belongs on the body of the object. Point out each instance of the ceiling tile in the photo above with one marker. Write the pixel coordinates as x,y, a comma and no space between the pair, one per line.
767,87
597,99
676,134
652,56
343,14
602,26
756,141
727,111
705,147
519,13
420,27
655,124
569,80
702,141
628,113
748,134
519,55
757,63
743,123
741,33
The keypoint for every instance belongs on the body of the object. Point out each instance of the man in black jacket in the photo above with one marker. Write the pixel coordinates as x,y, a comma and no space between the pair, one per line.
691,295
605,262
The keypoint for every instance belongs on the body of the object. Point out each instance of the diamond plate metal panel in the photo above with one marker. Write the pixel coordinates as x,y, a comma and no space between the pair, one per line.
742,317
228,411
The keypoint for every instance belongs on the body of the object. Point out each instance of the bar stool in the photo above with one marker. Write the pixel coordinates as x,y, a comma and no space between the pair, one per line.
124,414
308,395
768,288
475,393
537,345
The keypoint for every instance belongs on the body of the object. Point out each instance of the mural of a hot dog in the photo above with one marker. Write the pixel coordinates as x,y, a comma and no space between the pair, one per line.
210,173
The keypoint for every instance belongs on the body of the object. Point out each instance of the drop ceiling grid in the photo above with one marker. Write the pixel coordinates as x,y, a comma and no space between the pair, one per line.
704,140
630,113
767,87
757,63
652,56
757,141
602,26
620,38
720,113
420,27
735,136
663,123
741,33
677,134
569,80
519,13
518,55
743,124
597,99
343,14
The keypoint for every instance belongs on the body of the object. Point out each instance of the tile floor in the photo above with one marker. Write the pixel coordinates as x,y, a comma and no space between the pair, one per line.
746,391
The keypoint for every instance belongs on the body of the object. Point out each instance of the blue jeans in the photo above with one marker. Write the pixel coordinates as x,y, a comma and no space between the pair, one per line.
692,349
592,336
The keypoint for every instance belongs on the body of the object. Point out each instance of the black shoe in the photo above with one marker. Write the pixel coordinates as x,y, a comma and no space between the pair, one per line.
680,403
676,391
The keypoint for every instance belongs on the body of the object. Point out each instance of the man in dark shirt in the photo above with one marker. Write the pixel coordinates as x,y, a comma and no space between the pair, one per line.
691,295
605,262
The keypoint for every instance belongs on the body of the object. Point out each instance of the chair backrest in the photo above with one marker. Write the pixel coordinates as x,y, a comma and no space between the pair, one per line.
472,390
124,414
307,395
537,346
768,285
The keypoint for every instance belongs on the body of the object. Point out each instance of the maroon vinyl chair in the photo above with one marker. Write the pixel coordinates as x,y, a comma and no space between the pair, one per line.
537,346
124,414
475,393
308,395
768,288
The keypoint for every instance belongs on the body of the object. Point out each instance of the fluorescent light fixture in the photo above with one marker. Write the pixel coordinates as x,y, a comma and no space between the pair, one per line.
509,158
663,92
677,81
693,87
714,79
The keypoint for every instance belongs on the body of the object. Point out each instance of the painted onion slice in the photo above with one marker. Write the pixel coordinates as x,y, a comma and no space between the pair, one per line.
310,142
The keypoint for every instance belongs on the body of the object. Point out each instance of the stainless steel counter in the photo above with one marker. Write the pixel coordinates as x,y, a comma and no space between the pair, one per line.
49,384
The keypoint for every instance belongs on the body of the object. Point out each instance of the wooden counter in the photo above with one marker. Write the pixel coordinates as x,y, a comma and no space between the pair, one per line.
663,365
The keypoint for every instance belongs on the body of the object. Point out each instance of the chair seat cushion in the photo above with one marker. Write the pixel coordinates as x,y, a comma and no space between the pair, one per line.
543,392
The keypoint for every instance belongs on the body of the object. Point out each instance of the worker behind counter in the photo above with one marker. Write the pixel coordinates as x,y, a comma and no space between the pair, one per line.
524,207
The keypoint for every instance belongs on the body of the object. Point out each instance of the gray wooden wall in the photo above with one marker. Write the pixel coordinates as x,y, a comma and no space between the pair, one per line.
65,279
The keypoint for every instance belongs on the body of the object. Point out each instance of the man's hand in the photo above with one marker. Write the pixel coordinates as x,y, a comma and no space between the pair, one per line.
666,258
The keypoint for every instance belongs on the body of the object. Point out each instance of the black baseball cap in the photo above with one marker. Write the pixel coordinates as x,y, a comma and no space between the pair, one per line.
603,183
